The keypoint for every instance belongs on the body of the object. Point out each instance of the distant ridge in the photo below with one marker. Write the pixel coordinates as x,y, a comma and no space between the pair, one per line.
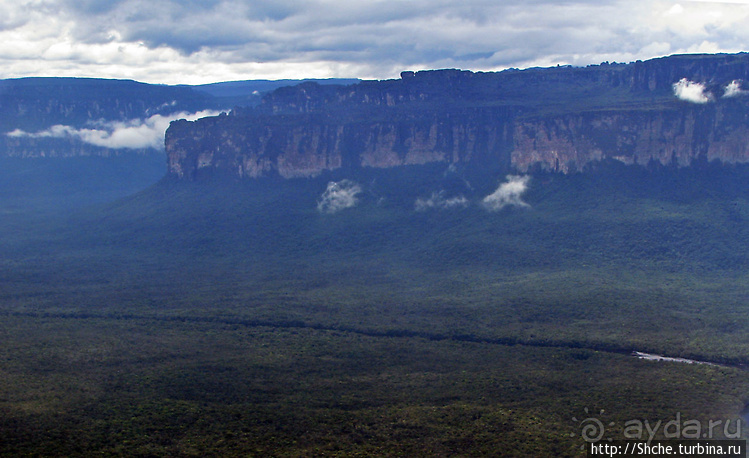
46,115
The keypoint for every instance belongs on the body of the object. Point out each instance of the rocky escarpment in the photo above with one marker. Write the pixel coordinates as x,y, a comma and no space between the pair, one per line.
676,134
307,145
560,118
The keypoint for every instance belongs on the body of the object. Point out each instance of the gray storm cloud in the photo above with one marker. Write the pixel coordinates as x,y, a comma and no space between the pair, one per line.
339,196
508,193
437,200
134,134
691,91
195,42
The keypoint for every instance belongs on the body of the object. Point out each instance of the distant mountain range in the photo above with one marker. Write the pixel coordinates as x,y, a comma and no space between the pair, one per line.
232,94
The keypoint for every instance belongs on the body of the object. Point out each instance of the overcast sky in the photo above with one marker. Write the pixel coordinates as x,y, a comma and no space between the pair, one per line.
203,41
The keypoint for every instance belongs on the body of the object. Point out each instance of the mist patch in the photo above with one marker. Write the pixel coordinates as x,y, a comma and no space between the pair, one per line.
131,134
339,196
733,89
437,200
508,193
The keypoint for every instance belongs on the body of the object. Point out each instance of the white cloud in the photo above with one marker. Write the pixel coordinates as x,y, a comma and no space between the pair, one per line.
437,200
733,89
508,193
691,91
338,196
135,134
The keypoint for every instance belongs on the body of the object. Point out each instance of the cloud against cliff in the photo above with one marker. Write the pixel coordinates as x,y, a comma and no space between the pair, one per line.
173,41
339,196
508,193
438,201
691,91
733,89
135,133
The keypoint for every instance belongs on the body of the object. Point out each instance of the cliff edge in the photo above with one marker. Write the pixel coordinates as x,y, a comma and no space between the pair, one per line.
672,110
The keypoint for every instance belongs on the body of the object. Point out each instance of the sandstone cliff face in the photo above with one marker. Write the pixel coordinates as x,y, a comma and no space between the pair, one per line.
677,134
309,146
558,119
